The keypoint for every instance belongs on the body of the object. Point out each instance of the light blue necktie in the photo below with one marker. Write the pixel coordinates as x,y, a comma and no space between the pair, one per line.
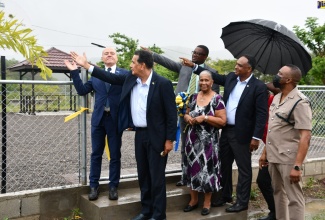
108,86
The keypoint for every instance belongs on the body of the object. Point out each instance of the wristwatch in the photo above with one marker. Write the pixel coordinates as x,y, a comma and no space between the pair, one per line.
298,168
206,118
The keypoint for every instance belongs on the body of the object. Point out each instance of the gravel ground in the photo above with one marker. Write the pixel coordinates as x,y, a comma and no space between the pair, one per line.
43,151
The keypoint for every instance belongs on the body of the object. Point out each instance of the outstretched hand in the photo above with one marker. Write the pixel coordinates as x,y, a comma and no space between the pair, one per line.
70,65
187,62
80,60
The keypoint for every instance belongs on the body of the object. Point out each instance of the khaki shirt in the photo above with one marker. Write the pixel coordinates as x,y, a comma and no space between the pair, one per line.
282,138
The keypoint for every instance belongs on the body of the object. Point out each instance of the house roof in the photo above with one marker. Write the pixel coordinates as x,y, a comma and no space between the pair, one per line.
54,61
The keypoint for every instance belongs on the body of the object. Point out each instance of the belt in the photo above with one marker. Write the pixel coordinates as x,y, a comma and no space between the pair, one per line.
230,126
141,128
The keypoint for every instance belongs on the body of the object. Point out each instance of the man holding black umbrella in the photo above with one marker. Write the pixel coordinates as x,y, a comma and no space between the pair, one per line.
246,105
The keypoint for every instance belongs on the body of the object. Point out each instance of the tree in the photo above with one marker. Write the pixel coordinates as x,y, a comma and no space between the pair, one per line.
126,47
316,75
222,66
14,36
314,39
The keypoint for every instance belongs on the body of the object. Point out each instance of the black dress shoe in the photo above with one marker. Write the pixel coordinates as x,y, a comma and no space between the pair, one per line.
189,208
236,208
180,183
270,216
205,211
140,217
221,202
112,194
94,192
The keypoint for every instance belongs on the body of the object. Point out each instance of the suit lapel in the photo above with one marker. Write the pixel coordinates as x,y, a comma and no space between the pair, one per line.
128,85
151,88
246,90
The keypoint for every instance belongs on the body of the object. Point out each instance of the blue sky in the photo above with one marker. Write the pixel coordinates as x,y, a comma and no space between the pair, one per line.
176,25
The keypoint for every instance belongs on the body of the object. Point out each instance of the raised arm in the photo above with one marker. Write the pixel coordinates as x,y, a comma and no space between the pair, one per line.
165,62
217,78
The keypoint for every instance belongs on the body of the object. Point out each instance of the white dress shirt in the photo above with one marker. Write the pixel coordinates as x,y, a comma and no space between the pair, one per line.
233,100
139,96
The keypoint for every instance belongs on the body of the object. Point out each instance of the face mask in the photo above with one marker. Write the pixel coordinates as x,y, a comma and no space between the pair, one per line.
276,81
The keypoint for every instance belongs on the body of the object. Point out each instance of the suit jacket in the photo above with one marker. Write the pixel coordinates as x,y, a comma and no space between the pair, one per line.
184,72
101,94
251,113
161,111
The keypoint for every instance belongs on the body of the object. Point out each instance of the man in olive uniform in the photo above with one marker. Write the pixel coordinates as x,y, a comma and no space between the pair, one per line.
287,143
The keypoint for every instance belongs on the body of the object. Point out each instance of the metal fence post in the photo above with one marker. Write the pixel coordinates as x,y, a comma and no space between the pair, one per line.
4,128
83,131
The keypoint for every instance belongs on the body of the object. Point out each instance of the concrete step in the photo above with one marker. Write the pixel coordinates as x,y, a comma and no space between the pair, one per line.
128,204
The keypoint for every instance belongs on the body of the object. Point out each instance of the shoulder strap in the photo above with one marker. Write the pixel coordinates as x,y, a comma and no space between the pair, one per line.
290,113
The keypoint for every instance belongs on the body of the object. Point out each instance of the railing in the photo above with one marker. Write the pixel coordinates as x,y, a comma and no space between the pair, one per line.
42,151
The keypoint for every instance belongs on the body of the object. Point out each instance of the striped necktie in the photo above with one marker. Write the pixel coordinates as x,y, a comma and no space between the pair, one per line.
192,85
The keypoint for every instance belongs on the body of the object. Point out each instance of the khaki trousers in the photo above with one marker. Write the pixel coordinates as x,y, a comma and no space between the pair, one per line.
288,198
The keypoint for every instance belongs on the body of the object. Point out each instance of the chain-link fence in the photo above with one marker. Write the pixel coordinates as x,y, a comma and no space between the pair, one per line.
39,150
316,95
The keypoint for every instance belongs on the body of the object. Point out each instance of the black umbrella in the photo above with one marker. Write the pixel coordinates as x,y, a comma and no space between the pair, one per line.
272,45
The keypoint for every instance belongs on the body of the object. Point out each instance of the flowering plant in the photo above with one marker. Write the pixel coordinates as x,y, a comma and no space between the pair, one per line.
182,100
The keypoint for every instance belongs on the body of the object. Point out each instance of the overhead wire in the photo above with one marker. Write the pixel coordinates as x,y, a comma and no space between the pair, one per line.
89,37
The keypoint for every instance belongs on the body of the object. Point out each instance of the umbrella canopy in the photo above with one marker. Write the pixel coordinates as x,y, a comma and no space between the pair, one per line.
272,45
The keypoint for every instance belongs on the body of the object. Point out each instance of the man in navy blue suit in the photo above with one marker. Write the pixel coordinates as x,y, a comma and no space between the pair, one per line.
150,101
104,123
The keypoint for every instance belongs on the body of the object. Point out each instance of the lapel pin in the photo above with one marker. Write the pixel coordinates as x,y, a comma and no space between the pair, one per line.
153,83
247,86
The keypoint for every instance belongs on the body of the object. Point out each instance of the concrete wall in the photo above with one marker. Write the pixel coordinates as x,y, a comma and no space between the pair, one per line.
48,203
56,203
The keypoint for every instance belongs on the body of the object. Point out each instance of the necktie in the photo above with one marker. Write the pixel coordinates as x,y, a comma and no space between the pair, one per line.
108,85
192,85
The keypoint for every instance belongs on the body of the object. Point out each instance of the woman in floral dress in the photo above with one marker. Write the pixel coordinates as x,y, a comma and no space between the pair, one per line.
205,115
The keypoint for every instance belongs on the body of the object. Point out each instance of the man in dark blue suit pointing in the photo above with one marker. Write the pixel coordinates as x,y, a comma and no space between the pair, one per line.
104,123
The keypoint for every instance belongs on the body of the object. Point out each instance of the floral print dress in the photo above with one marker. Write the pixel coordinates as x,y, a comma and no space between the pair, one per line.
202,162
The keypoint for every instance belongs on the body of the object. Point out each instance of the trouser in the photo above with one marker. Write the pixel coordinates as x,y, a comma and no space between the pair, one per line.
231,150
151,173
98,133
288,198
264,182
182,125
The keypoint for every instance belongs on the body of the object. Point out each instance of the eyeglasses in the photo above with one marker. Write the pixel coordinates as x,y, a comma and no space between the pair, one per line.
197,53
